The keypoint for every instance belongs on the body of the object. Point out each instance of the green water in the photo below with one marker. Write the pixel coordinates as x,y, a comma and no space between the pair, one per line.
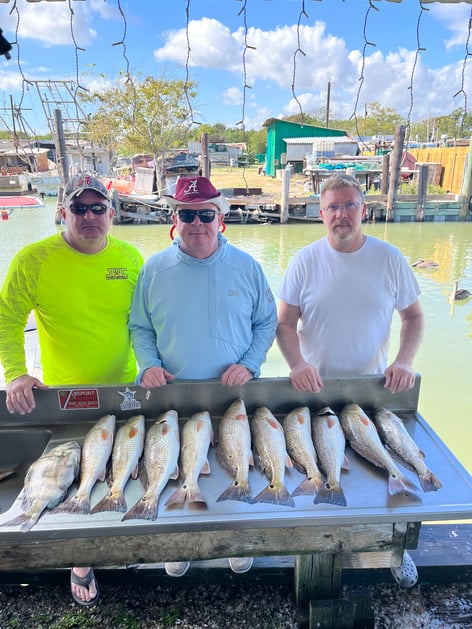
445,357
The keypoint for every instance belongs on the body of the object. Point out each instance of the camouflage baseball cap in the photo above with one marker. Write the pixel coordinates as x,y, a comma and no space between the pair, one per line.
82,182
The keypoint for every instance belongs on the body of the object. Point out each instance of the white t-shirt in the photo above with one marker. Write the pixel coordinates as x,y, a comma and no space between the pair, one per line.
347,302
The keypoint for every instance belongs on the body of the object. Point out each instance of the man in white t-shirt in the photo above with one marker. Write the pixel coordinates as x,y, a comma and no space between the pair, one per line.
338,297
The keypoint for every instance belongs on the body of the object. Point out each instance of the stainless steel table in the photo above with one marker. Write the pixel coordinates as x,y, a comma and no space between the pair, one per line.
316,534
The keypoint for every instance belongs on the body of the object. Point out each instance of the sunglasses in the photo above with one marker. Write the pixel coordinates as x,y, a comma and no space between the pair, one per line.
81,208
188,216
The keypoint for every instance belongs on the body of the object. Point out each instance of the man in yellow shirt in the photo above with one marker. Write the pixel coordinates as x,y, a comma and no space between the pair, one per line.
80,284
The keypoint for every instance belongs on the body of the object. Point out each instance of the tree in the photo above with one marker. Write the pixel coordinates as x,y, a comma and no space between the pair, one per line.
142,116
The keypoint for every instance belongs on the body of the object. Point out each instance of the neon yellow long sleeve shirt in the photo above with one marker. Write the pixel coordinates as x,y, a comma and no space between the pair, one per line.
81,304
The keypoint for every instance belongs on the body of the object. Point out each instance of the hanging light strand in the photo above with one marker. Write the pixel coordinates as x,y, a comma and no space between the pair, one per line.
298,51
187,65
468,53
419,49
361,77
24,80
247,47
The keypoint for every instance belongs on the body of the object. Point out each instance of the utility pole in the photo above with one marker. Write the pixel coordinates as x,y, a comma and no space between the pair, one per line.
328,96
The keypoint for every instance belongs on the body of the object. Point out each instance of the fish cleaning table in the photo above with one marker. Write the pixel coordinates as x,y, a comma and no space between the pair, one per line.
317,535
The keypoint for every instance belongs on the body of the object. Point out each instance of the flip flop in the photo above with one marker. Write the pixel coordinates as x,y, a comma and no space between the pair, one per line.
84,582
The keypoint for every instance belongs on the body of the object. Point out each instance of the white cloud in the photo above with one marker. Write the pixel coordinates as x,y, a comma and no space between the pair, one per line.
233,96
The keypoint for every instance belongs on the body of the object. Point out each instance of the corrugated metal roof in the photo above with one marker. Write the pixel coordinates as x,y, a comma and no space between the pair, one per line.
316,140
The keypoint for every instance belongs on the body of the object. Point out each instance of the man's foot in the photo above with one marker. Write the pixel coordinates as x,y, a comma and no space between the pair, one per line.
176,568
406,575
240,565
83,586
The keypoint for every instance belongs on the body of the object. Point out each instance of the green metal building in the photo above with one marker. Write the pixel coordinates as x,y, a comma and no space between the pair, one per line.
279,130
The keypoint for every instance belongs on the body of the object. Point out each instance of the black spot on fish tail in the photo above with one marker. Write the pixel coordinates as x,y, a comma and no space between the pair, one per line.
400,485
112,501
144,509
331,494
236,491
309,487
275,496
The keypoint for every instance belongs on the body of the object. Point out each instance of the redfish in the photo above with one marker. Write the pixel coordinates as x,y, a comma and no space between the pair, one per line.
271,457
364,439
330,444
394,434
197,436
300,448
234,451
127,451
159,464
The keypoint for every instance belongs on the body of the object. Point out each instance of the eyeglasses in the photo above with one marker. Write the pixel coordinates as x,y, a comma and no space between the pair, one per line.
81,208
349,206
188,216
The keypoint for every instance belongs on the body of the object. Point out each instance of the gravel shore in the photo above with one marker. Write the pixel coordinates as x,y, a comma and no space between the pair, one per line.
155,604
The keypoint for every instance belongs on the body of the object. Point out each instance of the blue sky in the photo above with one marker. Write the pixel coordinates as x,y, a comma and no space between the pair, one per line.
55,43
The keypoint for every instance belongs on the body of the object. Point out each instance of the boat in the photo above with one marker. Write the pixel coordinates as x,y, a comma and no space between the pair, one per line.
9,203
46,184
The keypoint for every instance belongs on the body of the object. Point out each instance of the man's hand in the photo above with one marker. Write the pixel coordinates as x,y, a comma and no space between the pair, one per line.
235,375
155,377
305,377
20,398
399,377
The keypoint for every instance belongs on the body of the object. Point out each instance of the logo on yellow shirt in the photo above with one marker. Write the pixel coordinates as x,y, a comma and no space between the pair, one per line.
117,273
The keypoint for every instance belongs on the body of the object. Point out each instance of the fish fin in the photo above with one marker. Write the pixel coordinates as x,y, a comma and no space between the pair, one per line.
251,459
144,509
398,458
75,504
309,487
332,494
400,485
237,491
206,468
275,496
112,501
288,461
175,473
24,521
102,475
194,495
430,482
143,476
134,473
178,497
345,465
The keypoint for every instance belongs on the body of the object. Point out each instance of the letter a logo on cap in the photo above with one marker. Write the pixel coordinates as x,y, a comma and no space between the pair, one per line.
192,187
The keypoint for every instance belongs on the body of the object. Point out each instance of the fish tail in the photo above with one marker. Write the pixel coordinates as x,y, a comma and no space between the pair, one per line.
332,494
76,504
113,501
24,521
400,485
177,498
275,495
144,509
237,491
430,482
309,487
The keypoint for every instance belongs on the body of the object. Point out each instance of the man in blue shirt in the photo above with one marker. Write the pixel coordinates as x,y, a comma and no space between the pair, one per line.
202,308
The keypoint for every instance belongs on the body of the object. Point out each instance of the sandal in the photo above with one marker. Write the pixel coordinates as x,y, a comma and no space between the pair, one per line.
84,582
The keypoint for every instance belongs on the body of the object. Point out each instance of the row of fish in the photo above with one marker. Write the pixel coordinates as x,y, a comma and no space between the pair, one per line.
313,444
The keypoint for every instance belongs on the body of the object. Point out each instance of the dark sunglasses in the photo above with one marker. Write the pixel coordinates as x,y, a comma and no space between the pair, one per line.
81,208
188,216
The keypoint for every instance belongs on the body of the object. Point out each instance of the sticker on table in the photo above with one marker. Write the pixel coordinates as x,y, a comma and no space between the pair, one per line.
78,399
129,403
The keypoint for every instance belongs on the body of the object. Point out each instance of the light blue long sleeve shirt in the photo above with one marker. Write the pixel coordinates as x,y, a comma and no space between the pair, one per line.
197,317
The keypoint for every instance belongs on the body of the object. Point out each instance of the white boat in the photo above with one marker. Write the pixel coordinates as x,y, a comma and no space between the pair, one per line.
46,185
